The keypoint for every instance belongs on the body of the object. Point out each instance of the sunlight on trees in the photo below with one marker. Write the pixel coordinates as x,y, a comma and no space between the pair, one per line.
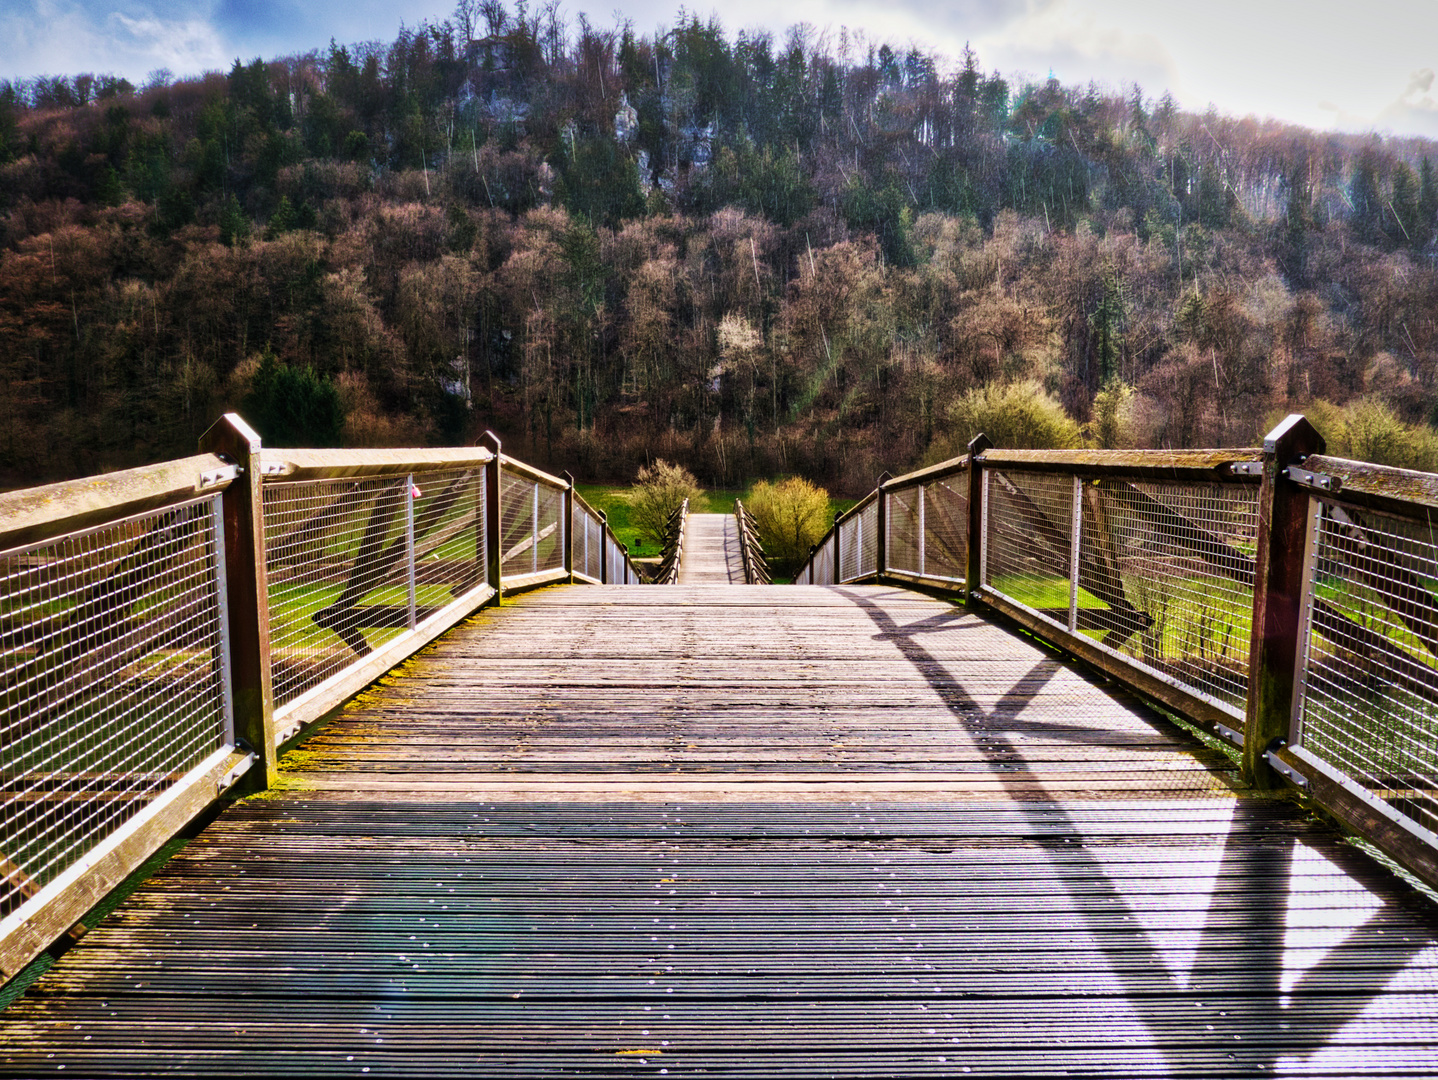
659,490
791,516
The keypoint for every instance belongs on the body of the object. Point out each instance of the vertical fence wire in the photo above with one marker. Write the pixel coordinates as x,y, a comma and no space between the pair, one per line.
337,553
824,563
112,682
944,512
1369,705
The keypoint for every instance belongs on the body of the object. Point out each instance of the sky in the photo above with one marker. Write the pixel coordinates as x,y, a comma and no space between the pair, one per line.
1324,64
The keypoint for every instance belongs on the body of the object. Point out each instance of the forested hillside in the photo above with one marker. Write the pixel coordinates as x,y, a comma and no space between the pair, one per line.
747,254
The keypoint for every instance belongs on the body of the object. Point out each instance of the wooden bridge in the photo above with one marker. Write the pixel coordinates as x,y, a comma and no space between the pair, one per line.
840,829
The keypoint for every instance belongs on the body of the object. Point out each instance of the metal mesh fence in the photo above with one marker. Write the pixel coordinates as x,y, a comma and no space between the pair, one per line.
531,526
928,529
1163,572
342,579
1028,553
617,565
1369,686
588,534
859,543
112,678
823,563
1166,577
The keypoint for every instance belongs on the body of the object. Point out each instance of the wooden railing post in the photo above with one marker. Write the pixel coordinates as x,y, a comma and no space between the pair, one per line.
974,571
881,542
493,533
1277,590
603,547
838,562
568,526
247,596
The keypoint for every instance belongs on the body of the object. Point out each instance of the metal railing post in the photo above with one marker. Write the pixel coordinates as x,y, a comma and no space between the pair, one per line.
493,534
974,572
247,596
410,494
1075,551
881,541
838,562
603,547
567,509
1277,593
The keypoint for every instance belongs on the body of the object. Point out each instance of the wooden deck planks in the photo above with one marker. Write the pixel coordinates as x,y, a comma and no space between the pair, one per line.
763,832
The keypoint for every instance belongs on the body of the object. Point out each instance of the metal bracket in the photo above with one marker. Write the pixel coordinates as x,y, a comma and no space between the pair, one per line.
1283,768
1315,480
225,474
1246,468
241,767
1227,733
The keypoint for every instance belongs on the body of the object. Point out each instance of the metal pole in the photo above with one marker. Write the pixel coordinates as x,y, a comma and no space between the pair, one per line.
881,541
1075,539
409,498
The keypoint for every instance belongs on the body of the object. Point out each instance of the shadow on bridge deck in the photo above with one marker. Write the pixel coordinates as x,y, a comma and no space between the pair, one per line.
761,831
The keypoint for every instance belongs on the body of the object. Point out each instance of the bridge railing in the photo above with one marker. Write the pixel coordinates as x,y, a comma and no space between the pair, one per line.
163,630
751,551
1284,601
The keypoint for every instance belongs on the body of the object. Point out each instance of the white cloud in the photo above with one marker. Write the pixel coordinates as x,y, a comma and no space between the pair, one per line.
62,37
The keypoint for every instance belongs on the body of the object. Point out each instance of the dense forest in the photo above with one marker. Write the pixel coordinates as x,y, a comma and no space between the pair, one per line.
751,255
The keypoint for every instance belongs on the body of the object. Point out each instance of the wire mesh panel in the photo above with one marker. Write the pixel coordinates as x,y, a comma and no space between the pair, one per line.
1029,539
588,537
1166,576
1369,673
859,543
615,554
339,554
113,682
945,533
928,529
823,563
531,526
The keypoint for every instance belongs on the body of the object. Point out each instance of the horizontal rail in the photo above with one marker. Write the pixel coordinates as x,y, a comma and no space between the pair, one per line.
1161,464
1401,491
336,464
519,468
951,467
34,514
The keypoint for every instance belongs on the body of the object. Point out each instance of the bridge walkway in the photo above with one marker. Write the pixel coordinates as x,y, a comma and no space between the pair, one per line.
768,832
711,551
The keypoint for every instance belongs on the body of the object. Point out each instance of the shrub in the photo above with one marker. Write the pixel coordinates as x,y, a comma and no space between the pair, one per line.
659,490
791,517
1369,430
1017,416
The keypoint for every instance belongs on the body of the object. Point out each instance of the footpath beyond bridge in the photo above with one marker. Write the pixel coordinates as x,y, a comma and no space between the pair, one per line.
835,829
